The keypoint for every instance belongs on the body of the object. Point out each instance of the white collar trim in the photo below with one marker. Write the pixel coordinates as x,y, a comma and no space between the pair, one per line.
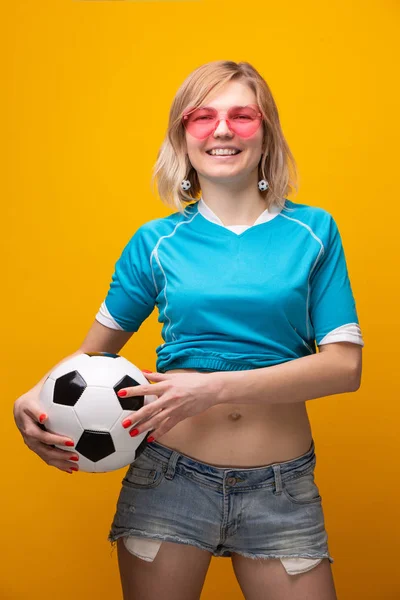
210,215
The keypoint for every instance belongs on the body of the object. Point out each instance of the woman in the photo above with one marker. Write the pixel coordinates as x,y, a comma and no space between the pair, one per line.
247,284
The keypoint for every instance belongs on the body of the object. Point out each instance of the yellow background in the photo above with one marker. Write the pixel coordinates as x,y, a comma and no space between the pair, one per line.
86,91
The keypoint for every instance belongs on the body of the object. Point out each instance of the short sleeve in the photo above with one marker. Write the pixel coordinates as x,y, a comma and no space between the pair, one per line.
332,304
131,297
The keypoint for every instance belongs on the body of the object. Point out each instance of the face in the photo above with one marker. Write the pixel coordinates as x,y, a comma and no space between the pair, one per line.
226,168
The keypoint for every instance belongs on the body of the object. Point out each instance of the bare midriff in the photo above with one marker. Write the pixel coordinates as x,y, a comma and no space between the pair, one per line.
242,435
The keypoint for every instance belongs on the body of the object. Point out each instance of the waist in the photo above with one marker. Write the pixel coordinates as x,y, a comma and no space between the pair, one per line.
246,435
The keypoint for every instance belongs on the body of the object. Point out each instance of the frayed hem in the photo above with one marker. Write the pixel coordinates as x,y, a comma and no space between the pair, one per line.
155,536
262,556
112,538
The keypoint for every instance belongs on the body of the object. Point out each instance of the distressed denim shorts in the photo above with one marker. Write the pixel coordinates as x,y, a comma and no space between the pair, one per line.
272,511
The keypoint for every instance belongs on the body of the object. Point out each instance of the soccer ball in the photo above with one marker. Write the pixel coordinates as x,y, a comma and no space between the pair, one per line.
80,399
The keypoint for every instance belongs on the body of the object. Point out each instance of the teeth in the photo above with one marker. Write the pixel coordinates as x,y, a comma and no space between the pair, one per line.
222,152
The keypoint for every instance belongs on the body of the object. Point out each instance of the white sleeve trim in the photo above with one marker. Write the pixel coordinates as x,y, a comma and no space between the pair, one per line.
346,333
104,317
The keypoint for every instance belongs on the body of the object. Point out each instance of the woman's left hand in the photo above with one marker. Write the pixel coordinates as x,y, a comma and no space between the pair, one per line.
180,395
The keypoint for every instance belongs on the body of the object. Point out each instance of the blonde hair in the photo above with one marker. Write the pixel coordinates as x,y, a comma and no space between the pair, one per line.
173,165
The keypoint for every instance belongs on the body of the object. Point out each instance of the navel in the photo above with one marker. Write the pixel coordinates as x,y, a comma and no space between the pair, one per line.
235,416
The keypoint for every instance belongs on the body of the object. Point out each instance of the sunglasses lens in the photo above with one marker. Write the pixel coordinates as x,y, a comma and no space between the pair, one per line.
244,121
201,122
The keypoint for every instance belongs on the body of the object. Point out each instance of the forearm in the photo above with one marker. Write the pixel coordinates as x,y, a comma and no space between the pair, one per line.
298,380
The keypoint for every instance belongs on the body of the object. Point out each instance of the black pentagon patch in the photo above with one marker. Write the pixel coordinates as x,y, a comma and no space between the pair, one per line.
69,388
133,403
95,445
106,354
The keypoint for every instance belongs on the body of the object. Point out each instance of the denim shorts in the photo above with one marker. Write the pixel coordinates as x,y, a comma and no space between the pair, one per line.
272,511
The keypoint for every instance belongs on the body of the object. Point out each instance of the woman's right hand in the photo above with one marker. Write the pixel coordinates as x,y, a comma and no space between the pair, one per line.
27,411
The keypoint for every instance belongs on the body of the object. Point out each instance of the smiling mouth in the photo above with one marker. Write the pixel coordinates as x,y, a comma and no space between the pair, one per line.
224,155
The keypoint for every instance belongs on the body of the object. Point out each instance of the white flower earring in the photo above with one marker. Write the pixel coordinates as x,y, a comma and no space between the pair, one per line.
185,184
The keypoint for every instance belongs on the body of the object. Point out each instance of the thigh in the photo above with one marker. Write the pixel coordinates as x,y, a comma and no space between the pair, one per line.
177,572
267,579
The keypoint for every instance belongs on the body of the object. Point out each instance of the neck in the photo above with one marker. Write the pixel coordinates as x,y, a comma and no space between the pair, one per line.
232,204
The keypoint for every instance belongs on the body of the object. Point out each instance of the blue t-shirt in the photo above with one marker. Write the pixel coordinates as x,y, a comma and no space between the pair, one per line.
235,301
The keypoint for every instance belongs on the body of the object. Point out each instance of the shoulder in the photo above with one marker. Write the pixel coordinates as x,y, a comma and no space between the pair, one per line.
150,232
318,220
306,211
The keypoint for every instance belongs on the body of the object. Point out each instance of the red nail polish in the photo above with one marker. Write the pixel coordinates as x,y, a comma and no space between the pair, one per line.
74,469
146,371
42,418
122,393
68,443
126,423
151,439
134,432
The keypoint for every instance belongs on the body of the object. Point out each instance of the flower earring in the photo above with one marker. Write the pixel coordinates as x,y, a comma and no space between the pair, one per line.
185,184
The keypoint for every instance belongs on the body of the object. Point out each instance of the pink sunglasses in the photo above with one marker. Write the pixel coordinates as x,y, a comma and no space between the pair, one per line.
242,120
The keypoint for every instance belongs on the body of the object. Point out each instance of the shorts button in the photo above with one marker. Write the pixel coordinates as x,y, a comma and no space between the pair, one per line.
231,481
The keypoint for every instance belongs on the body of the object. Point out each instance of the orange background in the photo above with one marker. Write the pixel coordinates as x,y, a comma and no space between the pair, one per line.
87,88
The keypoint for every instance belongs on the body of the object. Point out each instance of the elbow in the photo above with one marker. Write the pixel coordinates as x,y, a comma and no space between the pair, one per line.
356,386
355,379
354,375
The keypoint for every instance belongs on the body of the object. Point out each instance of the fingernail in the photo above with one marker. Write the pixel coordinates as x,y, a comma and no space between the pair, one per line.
74,458
42,418
69,443
126,423
146,371
74,469
121,393
134,432
151,439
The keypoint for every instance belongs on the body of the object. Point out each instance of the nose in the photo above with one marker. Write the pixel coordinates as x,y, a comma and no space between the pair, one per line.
222,128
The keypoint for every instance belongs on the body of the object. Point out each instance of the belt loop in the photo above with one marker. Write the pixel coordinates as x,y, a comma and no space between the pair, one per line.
170,472
278,479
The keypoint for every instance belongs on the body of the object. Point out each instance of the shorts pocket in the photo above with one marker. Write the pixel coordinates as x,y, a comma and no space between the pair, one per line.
143,473
302,489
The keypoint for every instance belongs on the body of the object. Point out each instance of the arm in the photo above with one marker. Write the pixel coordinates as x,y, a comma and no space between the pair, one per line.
336,369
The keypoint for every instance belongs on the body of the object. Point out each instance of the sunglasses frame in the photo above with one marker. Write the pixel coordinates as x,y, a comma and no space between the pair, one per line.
187,112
